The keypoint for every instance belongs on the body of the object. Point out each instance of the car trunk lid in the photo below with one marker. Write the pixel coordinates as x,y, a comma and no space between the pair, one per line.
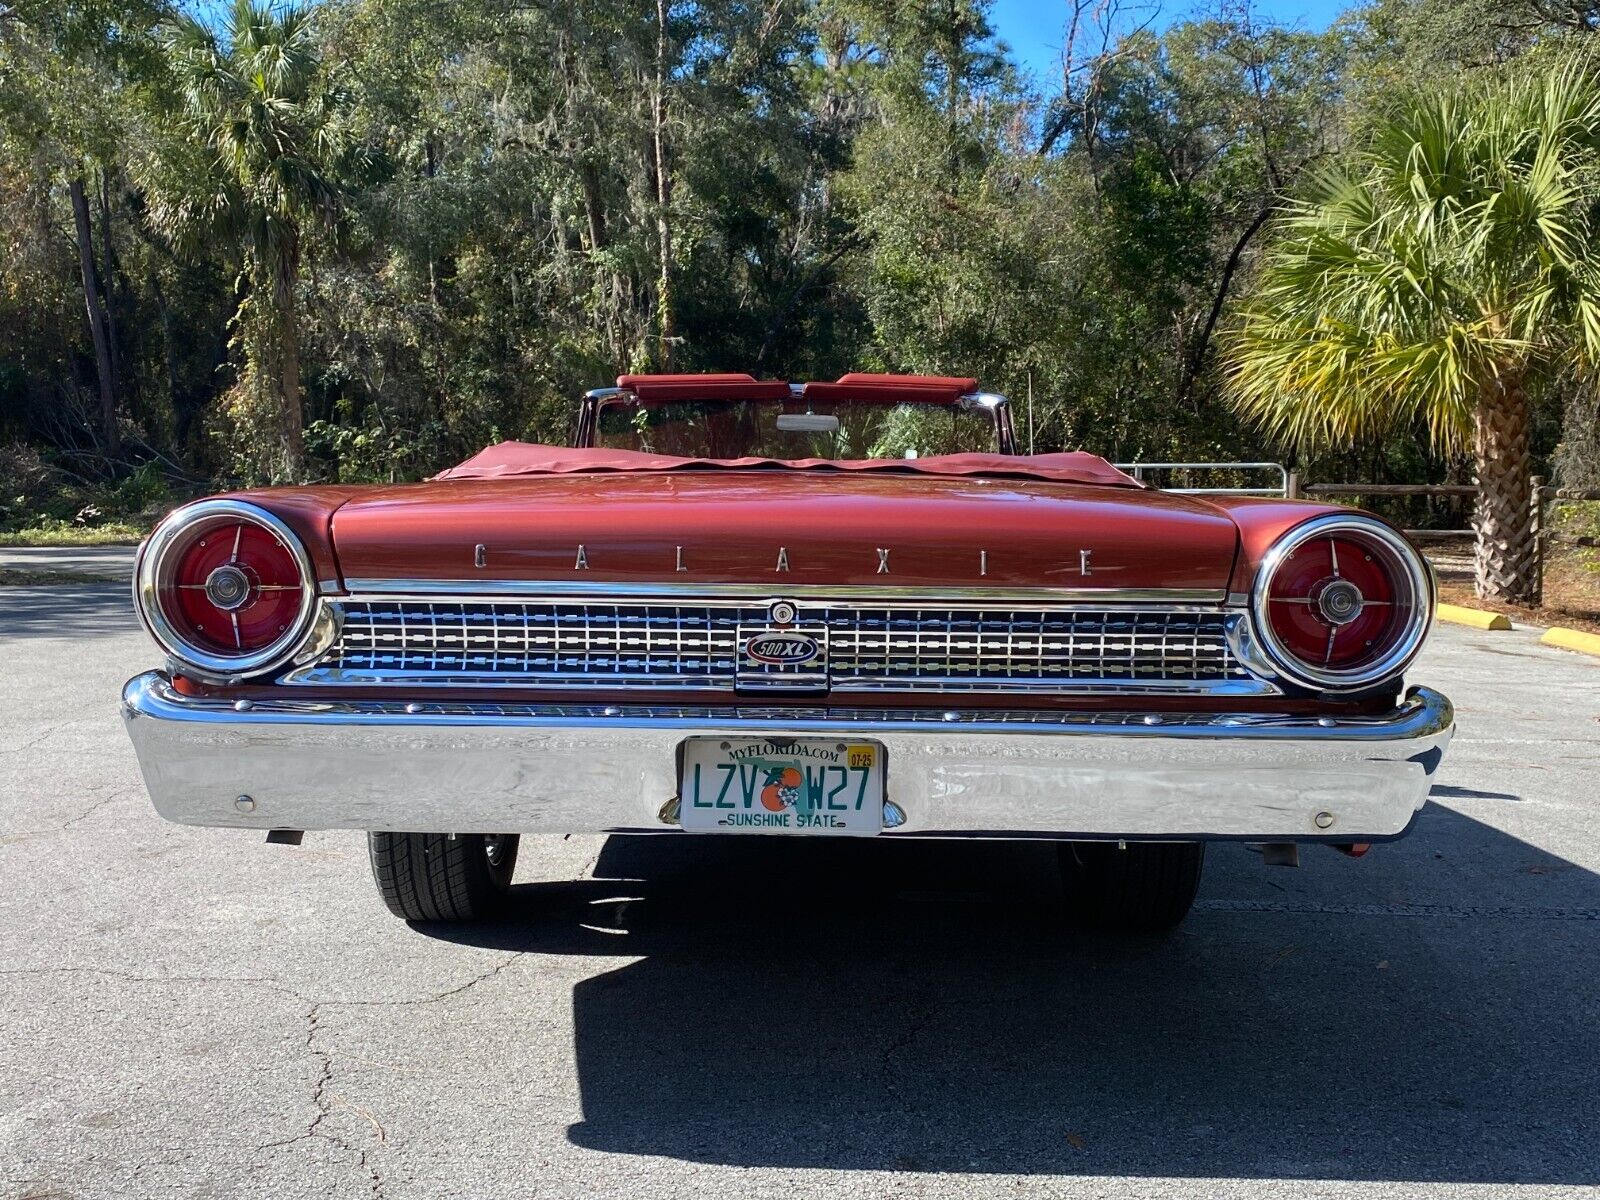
779,529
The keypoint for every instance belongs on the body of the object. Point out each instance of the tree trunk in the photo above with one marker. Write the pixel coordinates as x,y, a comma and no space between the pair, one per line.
112,438
594,209
292,418
1503,516
666,317
599,239
1197,356
108,280
164,315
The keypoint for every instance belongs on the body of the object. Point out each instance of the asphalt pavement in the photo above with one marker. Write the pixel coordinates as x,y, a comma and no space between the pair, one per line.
110,562
194,1013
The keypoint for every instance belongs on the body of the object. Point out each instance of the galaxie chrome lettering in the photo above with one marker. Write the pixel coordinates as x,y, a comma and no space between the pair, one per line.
581,563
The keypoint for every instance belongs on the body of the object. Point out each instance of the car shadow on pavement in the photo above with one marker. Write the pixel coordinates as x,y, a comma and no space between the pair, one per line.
1425,1014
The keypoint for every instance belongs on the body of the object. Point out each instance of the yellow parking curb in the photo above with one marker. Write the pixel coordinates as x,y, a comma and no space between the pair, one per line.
1572,639
1474,617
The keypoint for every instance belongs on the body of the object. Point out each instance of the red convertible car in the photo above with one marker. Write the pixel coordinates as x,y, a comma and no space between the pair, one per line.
737,606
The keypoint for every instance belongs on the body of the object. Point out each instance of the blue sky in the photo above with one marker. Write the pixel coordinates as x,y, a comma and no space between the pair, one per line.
1034,28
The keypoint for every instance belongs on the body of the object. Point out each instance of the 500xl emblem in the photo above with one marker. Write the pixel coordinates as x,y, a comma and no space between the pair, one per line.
782,649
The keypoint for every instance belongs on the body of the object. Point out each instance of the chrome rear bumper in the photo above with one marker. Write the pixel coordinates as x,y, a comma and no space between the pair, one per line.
301,764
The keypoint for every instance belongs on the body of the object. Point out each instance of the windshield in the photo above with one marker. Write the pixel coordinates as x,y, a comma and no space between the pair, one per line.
794,429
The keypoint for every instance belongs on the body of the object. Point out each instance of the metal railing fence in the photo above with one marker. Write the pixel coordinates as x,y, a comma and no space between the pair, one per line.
1281,488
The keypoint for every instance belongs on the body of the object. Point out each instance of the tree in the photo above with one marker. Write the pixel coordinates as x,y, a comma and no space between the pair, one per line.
665,311
948,270
1444,274
99,327
275,162
73,71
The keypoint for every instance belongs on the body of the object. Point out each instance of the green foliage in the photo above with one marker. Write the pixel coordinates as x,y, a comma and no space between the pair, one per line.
370,453
50,531
410,228
147,488
40,504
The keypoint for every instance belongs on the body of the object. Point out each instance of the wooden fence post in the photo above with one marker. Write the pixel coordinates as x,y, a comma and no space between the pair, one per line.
1292,488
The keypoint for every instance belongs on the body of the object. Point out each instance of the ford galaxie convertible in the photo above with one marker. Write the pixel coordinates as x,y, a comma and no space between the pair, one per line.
744,607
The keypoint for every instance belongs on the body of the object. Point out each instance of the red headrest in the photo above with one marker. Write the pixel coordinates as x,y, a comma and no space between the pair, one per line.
893,389
655,388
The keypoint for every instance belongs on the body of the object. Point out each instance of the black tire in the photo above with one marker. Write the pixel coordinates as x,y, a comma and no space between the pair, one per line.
437,877
1142,887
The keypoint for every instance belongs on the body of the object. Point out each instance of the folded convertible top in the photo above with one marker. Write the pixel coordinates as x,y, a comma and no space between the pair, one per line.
508,460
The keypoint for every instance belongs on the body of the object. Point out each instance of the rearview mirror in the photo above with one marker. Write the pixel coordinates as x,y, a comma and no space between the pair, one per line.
808,423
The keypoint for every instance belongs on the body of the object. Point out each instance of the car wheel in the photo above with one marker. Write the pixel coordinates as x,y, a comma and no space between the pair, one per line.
1132,887
443,877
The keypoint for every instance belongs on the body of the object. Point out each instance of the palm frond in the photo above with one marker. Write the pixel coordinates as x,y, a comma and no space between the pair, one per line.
1456,247
255,95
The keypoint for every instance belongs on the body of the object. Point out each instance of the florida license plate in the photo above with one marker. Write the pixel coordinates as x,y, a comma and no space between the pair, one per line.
769,785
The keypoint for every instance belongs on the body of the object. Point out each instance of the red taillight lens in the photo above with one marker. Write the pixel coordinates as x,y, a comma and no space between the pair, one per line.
225,587
235,589
1331,603
1343,601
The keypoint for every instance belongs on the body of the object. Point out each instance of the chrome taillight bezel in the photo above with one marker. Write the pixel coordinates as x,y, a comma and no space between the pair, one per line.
153,572
1408,571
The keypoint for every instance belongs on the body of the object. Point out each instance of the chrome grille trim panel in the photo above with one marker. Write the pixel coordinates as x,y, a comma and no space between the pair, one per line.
557,644
1434,713
941,645
975,649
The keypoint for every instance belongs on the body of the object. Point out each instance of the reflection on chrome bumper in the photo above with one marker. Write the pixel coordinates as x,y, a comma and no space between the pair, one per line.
591,768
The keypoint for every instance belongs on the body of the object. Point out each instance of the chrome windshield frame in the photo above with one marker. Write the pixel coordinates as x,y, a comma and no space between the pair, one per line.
998,408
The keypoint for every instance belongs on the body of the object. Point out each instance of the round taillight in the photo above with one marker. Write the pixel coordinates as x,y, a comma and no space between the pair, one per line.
225,588
1342,602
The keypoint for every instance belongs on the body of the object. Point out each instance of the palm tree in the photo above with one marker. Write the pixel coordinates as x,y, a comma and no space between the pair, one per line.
1445,272
254,100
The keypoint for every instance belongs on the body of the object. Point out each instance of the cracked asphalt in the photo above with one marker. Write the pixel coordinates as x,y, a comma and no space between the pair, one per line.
194,1013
